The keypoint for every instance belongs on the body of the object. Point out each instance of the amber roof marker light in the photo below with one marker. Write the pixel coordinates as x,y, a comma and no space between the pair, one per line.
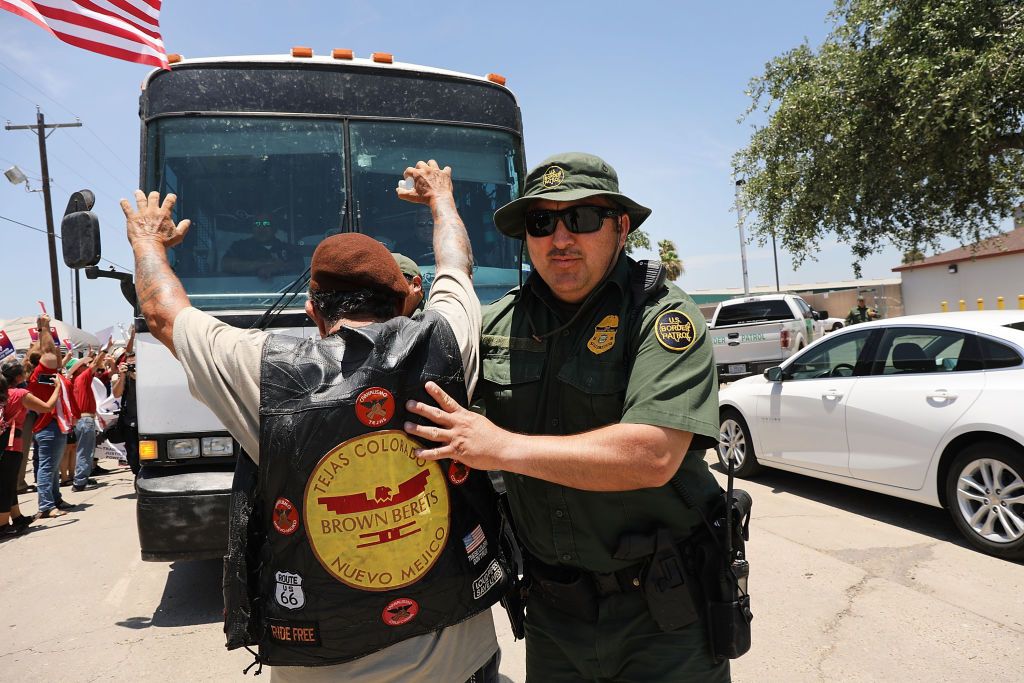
496,78
303,52
383,57
341,53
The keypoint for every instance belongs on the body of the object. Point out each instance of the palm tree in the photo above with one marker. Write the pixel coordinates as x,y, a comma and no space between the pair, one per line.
673,265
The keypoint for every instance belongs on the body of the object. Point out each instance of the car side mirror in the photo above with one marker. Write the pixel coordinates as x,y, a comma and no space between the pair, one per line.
80,239
822,315
773,374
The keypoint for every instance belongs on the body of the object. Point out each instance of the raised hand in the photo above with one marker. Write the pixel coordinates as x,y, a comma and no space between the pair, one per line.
430,182
152,220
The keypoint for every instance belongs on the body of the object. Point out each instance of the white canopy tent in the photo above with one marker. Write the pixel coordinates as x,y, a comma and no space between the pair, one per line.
17,330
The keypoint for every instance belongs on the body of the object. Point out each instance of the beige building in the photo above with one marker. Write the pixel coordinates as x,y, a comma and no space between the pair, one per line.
987,270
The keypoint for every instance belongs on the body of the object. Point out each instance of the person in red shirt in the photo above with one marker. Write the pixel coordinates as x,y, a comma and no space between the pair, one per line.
67,462
16,403
82,373
51,427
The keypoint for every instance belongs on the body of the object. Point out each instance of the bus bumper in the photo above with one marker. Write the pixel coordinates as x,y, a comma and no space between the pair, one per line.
182,515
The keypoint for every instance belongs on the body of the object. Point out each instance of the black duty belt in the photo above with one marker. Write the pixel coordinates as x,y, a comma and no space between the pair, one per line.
625,580
577,592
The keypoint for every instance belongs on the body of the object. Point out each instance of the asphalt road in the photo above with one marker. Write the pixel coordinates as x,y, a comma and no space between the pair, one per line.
847,585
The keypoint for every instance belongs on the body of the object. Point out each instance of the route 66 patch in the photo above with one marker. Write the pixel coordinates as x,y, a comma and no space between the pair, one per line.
288,592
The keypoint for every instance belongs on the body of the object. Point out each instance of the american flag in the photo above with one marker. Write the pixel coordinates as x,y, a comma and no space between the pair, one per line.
125,29
473,539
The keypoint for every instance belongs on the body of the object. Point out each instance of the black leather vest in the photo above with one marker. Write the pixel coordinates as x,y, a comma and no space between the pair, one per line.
361,544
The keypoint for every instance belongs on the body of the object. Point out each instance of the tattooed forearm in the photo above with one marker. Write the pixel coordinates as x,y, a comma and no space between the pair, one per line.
451,243
161,296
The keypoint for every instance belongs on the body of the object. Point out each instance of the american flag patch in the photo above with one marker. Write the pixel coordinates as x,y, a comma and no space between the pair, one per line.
473,539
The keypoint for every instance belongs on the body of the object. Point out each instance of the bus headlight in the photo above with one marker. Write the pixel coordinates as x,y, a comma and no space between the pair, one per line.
217,446
179,449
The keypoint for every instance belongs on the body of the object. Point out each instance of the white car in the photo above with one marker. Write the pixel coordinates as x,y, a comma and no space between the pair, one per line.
926,407
833,324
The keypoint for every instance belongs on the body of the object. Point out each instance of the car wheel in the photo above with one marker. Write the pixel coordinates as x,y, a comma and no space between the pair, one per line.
837,326
985,496
734,442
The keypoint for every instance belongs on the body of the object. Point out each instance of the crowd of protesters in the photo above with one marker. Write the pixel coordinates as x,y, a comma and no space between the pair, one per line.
49,408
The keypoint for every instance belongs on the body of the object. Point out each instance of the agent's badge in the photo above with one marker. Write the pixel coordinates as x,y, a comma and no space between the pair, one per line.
675,331
604,335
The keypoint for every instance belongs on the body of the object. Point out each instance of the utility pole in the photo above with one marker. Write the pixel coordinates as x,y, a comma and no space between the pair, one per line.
39,128
775,257
743,239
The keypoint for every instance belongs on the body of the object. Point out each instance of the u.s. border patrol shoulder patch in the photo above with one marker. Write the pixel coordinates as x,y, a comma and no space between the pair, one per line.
675,331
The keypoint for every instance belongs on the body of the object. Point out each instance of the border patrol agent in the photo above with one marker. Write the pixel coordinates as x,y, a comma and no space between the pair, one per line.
861,313
349,558
600,389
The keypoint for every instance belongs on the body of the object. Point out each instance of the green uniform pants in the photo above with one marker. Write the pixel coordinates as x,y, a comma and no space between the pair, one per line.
623,645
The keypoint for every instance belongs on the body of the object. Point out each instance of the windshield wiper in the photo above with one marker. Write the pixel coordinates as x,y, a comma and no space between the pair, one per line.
297,285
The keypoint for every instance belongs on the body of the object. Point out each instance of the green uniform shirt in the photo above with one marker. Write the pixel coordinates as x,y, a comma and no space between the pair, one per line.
612,363
858,315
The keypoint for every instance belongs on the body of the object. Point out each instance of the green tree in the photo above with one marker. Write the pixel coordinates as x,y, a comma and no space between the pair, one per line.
904,126
673,265
638,239
912,256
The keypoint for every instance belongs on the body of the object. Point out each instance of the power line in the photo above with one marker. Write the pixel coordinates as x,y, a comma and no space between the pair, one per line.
97,162
34,175
39,128
112,152
4,85
23,168
88,183
65,108
38,89
32,227
94,160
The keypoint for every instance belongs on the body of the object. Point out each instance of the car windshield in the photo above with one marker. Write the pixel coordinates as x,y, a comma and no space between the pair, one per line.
746,312
263,192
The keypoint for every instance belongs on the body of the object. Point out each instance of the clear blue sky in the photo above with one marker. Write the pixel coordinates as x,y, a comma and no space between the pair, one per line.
655,88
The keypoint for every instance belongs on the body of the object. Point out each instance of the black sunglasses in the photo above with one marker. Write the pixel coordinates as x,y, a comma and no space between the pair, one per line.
577,219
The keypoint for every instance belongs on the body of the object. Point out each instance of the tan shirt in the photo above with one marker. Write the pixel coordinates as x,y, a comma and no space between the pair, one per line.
222,364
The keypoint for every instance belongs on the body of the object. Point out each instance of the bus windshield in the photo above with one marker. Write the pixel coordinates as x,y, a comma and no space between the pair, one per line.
484,176
263,192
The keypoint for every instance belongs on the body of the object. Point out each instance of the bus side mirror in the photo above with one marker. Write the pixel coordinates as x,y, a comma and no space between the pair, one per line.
773,374
80,239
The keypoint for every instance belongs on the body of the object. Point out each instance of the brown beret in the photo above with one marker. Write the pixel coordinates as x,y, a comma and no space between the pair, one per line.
352,260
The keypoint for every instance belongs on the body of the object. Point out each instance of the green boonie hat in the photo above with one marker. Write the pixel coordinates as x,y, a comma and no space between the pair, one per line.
406,265
566,178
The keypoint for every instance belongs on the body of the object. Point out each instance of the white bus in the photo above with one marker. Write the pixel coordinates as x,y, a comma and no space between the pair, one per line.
307,146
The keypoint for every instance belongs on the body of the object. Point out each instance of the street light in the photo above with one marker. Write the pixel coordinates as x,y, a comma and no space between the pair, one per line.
17,177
